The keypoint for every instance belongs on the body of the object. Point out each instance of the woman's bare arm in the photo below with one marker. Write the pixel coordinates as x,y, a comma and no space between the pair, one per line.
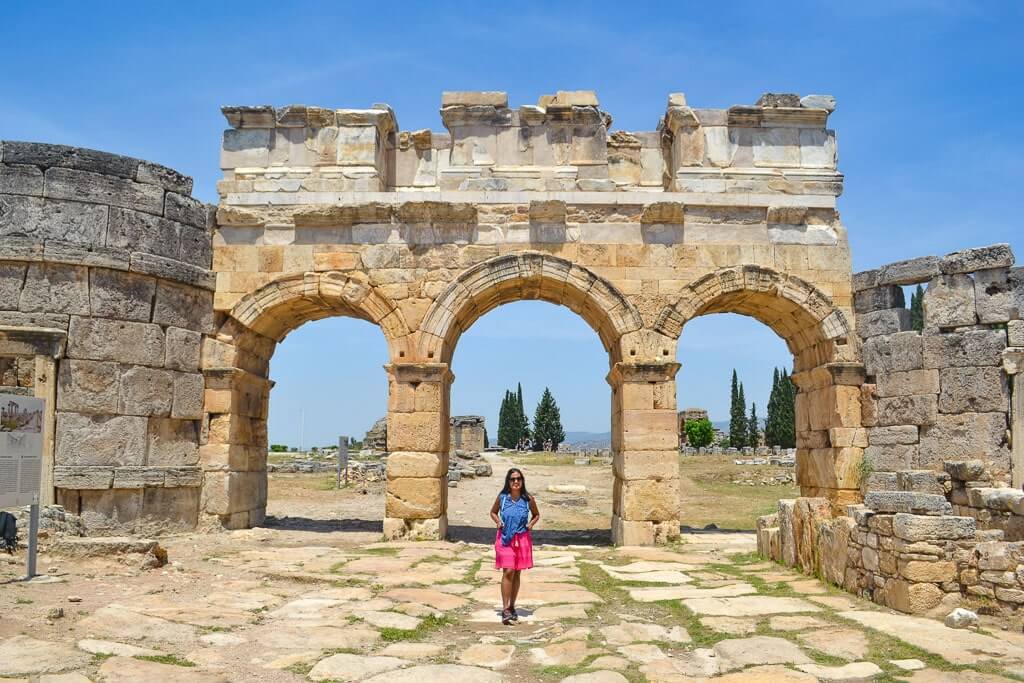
494,512
534,513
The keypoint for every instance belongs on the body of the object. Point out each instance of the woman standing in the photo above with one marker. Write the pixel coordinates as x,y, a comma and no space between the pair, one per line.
513,547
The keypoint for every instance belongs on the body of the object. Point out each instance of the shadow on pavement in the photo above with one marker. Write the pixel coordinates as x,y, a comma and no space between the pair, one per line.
485,535
324,525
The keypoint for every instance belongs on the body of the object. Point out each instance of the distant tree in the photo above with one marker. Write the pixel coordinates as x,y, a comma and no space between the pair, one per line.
787,411
487,442
737,414
506,438
752,427
699,433
917,309
547,423
293,449
522,422
772,417
278,448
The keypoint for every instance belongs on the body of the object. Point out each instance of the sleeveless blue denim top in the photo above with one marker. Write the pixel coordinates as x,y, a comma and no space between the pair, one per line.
514,516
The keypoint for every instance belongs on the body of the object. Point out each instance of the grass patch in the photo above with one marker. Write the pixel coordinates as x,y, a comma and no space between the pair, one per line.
710,496
595,580
23,601
99,657
300,668
428,624
174,660
388,552
702,635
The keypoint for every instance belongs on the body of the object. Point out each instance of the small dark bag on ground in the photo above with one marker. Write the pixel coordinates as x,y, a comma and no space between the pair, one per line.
8,532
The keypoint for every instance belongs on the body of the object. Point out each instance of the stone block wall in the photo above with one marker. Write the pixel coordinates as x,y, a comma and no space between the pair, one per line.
943,393
467,433
114,255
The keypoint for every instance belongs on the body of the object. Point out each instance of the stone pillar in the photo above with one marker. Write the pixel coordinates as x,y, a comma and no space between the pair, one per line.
234,452
1013,366
829,436
418,428
645,450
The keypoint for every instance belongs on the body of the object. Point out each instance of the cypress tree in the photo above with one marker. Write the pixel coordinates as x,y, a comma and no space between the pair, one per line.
752,426
503,432
547,422
771,419
737,415
787,413
521,421
917,309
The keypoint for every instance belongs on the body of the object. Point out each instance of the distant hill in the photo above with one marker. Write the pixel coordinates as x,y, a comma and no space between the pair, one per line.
589,439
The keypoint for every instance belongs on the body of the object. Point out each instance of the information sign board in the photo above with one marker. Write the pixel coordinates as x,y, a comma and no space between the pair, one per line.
21,449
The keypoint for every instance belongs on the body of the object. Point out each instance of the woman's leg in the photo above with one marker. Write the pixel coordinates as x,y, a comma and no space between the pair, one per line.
516,575
507,596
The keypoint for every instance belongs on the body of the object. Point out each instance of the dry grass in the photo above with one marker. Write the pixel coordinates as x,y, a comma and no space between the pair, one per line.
708,495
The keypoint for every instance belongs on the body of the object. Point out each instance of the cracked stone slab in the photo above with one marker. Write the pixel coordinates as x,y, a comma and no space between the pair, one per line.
748,606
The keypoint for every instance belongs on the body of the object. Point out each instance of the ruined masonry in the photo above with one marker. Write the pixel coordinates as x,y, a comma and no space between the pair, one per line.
148,320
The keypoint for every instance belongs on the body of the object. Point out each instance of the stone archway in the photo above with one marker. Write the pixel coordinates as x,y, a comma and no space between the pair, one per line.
827,372
236,364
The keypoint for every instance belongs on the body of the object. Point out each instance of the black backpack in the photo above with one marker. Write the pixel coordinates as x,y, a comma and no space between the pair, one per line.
8,532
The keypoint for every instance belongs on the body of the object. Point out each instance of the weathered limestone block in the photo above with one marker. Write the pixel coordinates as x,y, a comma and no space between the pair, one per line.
55,287
764,523
646,499
907,410
116,340
889,436
994,296
21,179
910,272
172,269
85,186
416,497
908,501
788,541
949,302
929,528
167,178
649,430
878,299
973,390
110,512
100,440
879,481
146,391
891,457
921,481
964,436
116,294
169,510
189,389
887,321
184,349
964,349
184,307
893,353
907,383
912,598
44,220
138,477
832,546
135,231
12,275
419,431
965,470
995,498
410,464
173,442
808,515
627,532
83,477
978,258
88,386
245,147
64,156
655,465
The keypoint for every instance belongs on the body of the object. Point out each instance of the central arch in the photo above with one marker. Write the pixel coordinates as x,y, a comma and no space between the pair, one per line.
827,372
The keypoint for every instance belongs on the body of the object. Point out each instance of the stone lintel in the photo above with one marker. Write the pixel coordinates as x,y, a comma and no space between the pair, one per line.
32,341
847,374
642,372
381,116
663,212
258,116
343,214
494,98
436,212
420,372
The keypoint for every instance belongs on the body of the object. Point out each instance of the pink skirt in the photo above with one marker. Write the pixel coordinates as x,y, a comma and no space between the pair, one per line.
516,555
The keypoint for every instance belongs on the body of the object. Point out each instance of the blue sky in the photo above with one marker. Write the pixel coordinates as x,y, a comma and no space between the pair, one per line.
928,94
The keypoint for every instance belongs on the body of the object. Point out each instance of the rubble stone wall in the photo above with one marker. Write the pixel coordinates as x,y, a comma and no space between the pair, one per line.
114,255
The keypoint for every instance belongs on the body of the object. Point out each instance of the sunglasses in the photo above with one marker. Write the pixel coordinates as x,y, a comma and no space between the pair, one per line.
515,478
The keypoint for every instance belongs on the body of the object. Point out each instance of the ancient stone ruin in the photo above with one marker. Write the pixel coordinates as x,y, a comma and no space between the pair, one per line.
148,320
467,434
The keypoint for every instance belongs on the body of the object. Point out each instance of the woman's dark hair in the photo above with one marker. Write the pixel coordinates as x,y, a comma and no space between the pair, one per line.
508,487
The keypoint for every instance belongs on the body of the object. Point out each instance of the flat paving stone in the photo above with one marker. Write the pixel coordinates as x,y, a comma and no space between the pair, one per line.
221,639
644,566
426,596
438,672
118,623
958,646
610,662
731,625
748,606
626,633
566,653
110,647
558,612
908,664
22,655
845,643
855,672
538,594
839,602
642,652
412,650
739,653
767,674
282,637
597,677
349,667
794,623
130,670
388,620
488,655
65,678
808,587
675,578
933,676
698,664
683,592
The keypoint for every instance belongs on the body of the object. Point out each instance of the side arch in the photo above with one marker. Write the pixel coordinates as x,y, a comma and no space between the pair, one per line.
814,329
525,276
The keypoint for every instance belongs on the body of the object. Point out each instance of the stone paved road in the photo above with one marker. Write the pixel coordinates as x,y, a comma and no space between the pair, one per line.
267,605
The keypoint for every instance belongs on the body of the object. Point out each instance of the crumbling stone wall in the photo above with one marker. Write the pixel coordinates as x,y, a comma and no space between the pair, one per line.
112,256
467,433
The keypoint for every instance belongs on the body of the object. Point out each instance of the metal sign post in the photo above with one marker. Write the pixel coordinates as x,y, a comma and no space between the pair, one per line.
342,459
21,460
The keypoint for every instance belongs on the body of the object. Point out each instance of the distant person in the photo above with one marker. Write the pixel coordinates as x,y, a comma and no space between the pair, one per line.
515,512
